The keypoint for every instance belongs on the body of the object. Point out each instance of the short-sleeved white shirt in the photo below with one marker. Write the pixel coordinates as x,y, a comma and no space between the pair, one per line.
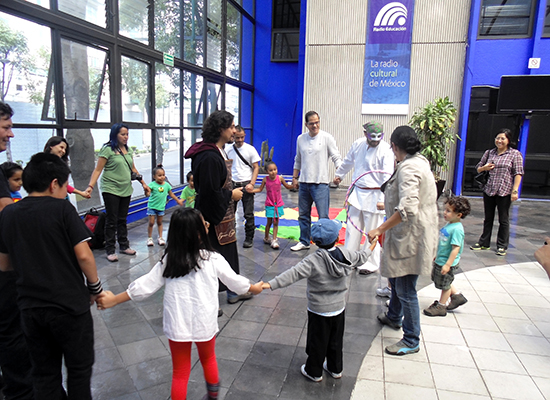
240,171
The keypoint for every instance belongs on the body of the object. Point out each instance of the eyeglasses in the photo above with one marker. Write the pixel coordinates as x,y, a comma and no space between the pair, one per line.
314,123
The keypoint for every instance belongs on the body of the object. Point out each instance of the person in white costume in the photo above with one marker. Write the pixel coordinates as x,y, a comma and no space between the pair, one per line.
366,201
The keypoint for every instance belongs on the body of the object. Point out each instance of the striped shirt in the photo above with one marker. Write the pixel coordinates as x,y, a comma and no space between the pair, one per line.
507,166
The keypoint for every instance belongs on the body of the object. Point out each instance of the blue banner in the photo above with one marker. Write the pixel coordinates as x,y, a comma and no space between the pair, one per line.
388,57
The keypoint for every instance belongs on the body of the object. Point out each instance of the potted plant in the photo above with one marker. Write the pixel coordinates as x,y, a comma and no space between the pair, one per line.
434,125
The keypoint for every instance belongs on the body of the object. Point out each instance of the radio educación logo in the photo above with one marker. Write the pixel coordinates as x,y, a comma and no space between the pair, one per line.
389,16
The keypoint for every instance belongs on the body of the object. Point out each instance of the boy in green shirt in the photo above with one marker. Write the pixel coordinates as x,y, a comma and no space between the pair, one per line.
188,193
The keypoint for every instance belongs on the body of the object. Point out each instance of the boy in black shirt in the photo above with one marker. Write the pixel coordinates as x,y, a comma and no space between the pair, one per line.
44,240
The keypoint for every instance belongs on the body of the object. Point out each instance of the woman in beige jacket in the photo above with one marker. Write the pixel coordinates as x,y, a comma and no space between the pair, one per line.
411,236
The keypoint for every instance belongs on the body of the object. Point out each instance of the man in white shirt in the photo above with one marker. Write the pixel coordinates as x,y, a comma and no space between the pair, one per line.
313,149
373,159
244,173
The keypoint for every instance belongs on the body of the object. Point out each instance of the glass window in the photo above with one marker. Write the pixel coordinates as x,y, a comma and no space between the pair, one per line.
167,27
85,82
546,32
90,10
232,101
232,60
134,20
168,153
41,3
193,104
506,18
213,97
25,53
214,35
25,143
193,31
135,107
167,95
285,34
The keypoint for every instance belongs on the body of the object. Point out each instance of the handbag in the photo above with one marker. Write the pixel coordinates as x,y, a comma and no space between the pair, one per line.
226,230
482,178
95,222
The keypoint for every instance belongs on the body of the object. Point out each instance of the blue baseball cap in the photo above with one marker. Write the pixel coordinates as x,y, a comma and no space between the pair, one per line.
325,231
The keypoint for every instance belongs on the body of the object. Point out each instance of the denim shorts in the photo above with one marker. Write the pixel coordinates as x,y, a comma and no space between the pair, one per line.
443,282
158,213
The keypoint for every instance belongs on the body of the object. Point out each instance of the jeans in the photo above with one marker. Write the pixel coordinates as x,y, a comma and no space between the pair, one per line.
404,306
248,210
116,210
53,335
502,203
309,193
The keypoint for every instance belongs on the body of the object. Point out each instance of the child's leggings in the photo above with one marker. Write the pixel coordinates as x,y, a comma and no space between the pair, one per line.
181,363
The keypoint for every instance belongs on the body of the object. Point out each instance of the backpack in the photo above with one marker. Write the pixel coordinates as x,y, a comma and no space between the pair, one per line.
95,221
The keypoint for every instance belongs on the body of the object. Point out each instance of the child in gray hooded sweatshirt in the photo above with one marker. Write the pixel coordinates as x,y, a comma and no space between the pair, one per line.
328,275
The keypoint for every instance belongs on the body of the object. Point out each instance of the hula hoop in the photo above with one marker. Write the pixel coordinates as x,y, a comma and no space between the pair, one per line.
348,193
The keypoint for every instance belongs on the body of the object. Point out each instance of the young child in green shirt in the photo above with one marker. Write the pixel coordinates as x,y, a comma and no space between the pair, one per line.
188,193
160,190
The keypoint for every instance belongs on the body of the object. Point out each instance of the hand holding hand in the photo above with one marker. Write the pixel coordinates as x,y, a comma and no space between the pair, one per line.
379,205
237,194
337,180
266,285
257,288
105,299
374,234
146,190
249,188
88,192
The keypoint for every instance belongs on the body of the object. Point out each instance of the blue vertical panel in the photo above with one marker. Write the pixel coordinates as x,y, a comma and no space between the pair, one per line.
247,50
278,93
246,109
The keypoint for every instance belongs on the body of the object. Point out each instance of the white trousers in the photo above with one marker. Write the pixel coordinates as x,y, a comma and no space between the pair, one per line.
365,221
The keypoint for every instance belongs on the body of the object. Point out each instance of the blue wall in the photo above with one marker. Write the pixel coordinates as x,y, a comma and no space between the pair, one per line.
278,92
487,60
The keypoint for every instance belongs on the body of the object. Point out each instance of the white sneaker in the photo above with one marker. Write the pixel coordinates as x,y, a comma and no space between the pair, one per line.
161,241
150,242
383,292
299,246
274,244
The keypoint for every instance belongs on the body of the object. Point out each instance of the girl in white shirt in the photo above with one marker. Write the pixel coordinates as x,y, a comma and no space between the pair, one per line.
189,270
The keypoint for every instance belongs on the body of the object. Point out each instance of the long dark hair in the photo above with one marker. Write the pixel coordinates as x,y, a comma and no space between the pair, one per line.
186,238
54,141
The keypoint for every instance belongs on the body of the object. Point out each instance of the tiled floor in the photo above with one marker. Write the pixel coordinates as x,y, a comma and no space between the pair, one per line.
496,345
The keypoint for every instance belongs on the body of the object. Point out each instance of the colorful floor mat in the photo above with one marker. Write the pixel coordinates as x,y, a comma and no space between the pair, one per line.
288,223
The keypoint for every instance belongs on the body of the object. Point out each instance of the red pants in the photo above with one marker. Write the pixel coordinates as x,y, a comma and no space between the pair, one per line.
181,363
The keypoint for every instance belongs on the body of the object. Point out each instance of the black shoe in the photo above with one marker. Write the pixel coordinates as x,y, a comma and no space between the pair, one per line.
220,312
248,243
